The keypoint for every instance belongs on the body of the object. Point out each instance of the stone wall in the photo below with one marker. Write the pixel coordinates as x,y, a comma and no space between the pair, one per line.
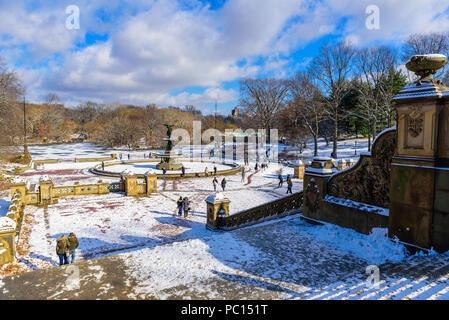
275,209
357,197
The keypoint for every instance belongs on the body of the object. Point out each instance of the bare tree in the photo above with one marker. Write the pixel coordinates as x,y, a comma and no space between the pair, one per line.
306,105
425,43
11,116
375,84
333,68
262,99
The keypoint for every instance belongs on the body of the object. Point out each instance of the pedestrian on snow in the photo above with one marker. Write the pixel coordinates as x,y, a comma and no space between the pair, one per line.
102,165
215,183
185,205
289,186
256,167
180,203
281,180
121,156
223,184
183,171
129,157
62,248
206,172
243,174
163,173
73,244
215,170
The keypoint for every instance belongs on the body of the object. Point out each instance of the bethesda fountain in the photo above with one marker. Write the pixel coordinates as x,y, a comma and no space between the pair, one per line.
169,159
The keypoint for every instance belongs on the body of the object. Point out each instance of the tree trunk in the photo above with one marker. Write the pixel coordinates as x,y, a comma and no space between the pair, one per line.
335,138
315,148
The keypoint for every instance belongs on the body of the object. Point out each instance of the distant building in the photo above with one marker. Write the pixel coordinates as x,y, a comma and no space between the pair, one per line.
235,112
81,137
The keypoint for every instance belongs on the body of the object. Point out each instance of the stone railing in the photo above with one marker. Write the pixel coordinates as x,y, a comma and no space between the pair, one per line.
272,210
357,197
47,193
97,159
235,168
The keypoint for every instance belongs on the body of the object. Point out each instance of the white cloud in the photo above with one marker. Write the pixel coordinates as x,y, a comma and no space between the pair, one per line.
157,47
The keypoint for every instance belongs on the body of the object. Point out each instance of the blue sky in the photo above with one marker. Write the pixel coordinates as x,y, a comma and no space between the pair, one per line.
178,52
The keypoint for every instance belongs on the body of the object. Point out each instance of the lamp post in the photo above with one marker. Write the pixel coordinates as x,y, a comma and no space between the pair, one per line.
25,146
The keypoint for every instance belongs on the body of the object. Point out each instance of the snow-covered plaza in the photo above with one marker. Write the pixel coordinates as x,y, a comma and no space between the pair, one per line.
138,248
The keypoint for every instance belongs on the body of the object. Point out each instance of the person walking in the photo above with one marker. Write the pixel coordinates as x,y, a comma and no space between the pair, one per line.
183,171
180,203
243,174
102,165
73,244
289,186
62,247
163,173
121,156
215,170
206,172
281,181
256,167
223,184
129,157
185,205
215,183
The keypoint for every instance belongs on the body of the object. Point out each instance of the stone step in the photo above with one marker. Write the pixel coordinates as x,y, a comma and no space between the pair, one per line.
421,293
355,287
318,294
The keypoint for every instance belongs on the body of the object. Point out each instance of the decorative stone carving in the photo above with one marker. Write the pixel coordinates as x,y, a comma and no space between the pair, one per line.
312,196
415,123
369,180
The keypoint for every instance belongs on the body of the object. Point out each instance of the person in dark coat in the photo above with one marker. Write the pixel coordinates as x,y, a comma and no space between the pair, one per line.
215,183
289,186
281,180
102,165
62,248
183,171
73,244
215,170
164,171
180,203
223,184
185,205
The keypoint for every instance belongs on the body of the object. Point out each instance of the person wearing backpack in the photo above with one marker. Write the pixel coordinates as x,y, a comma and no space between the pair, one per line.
180,204
62,247
73,244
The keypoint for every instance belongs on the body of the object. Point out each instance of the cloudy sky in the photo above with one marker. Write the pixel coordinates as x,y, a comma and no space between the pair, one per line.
178,52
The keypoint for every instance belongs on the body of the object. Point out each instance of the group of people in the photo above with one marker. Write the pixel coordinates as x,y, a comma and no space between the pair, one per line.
215,183
289,183
183,206
66,247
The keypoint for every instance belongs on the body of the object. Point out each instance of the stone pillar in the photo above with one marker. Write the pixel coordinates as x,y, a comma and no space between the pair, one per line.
217,205
131,188
315,185
299,170
103,187
419,210
46,192
7,240
151,181
341,164
19,185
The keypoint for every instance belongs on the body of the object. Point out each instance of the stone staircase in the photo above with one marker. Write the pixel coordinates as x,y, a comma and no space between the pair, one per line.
416,278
